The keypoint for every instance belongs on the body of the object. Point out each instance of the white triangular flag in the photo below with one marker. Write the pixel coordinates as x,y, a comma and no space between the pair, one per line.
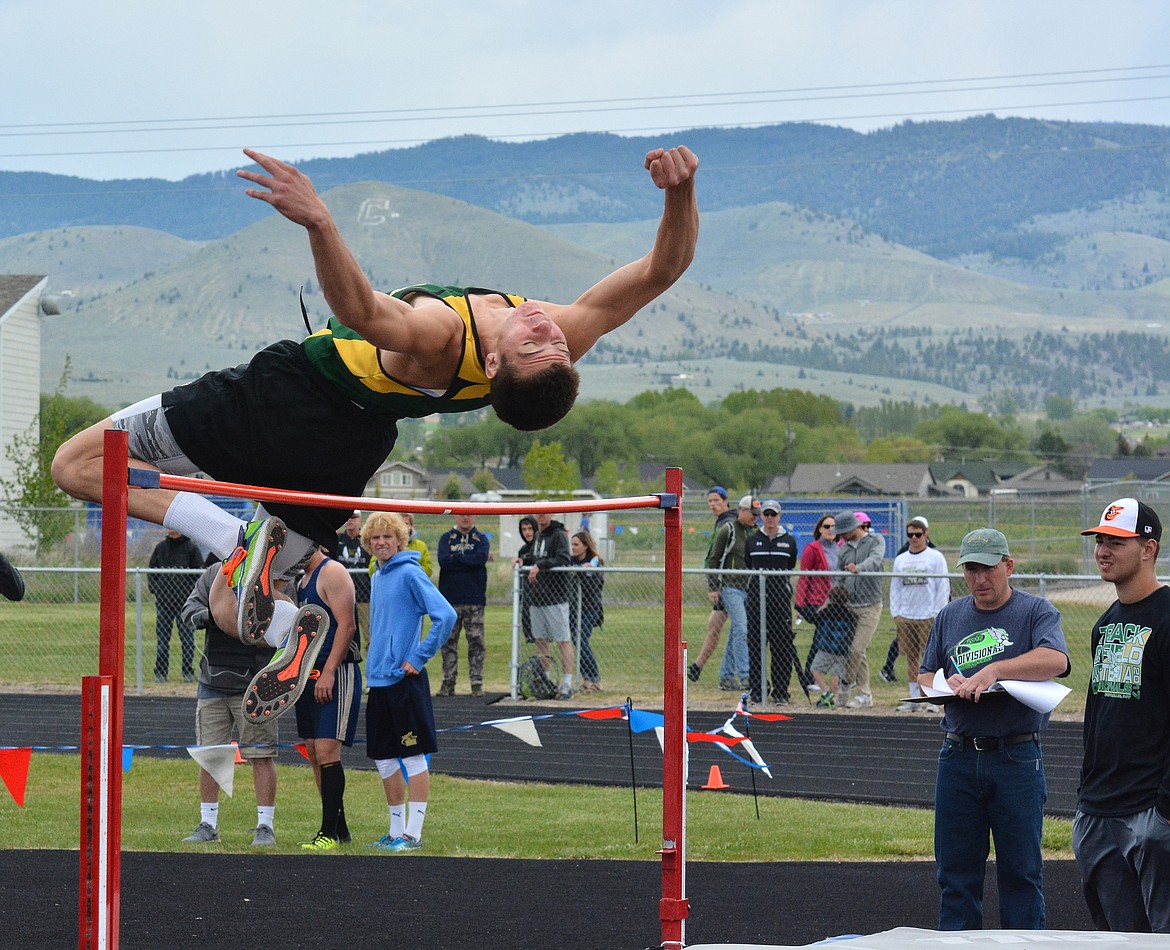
660,731
522,727
747,745
218,761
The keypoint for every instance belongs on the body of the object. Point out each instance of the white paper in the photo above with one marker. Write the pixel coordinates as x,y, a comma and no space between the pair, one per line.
1043,696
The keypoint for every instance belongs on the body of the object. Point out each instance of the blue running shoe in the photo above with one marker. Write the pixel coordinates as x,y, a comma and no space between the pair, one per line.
405,843
248,570
277,687
385,843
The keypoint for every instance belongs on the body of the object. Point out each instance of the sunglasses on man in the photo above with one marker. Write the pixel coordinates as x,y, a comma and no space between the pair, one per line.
915,534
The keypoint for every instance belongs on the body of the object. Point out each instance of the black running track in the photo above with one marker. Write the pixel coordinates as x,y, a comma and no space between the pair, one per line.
226,901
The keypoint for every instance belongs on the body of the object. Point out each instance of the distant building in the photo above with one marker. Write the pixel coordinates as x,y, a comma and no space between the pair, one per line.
20,376
847,478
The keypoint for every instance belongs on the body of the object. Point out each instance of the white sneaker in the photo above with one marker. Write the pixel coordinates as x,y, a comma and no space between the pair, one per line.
907,707
932,708
860,701
813,688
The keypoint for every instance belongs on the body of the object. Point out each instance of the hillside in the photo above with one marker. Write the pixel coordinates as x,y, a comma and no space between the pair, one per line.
773,285
982,188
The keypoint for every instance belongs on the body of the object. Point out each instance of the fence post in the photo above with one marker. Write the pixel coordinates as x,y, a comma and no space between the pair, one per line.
517,625
138,629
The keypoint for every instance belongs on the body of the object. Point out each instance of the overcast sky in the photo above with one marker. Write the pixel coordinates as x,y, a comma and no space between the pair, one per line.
127,88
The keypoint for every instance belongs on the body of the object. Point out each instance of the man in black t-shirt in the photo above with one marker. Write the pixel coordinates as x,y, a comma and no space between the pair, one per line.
1121,834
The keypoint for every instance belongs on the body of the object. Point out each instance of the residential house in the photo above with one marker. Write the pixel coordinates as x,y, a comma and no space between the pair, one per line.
849,478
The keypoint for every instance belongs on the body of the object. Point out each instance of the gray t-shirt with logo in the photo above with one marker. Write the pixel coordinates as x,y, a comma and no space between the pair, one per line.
965,638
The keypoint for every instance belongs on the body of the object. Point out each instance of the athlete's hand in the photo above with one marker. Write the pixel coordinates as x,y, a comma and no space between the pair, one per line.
670,168
323,690
289,191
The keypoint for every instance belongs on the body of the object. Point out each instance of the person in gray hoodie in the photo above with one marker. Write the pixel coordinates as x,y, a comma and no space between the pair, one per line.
862,556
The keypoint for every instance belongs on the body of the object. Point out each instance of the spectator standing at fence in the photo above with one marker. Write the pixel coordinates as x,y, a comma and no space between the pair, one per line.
327,714
820,554
400,721
729,553
583,551
354,558
717,503
549,598
887,671
1121,833
523,560
463,555
11,581
831,638
990,780
171,591
226,669
861,556
915,600
772,547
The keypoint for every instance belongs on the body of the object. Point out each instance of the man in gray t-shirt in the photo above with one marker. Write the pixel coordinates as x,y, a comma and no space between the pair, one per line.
990,778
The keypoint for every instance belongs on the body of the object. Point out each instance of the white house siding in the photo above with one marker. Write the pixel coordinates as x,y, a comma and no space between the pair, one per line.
20,386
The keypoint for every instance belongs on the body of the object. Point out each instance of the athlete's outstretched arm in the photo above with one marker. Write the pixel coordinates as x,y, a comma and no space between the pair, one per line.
383,320
615,299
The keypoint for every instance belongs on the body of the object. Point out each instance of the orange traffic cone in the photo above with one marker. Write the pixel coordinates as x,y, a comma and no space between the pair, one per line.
715,780
239,758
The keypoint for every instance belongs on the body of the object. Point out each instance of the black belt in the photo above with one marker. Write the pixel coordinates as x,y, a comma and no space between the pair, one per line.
993,743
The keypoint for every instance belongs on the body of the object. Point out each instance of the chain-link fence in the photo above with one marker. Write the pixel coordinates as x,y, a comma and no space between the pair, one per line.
51,638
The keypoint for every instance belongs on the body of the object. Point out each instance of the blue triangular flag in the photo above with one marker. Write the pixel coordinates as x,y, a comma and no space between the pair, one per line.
645,721
127,757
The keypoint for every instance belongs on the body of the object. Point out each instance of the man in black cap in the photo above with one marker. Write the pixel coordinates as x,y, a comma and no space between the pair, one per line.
1121,834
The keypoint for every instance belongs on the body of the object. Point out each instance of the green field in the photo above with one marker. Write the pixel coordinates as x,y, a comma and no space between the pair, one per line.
468,818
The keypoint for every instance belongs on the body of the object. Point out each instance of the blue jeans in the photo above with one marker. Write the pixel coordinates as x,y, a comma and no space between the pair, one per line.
735,653
999,794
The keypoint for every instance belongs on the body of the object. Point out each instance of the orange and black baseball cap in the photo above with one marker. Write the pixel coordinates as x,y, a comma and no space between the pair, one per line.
1128,518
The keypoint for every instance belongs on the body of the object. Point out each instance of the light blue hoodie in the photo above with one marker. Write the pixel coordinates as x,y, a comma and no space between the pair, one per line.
400,596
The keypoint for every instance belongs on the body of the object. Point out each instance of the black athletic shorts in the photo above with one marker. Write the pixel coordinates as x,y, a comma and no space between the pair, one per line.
400,721
276,422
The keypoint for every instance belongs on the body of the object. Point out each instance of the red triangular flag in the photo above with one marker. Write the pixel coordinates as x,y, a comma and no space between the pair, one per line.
14,772
302,749
712,737
771,717
614,712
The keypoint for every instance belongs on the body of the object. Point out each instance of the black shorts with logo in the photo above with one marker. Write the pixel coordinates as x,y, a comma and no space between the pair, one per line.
400,721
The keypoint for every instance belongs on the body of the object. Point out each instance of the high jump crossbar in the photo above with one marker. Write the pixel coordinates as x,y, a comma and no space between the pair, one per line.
101,802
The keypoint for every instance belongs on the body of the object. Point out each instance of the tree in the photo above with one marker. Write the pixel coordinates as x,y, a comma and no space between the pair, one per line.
548,473
31,492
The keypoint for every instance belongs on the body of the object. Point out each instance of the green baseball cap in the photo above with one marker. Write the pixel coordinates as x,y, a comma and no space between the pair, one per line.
984,546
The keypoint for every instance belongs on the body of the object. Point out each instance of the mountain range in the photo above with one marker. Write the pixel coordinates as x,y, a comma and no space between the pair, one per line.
858,264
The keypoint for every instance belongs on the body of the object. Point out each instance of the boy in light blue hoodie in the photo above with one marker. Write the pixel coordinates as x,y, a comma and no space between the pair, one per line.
400,722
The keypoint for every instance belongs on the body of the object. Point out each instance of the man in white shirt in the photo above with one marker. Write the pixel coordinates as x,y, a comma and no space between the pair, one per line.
915,600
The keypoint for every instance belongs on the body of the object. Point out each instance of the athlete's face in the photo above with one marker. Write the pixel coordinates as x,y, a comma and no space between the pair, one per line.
528,340
383,545
1121,559
989,586
717,503
916,538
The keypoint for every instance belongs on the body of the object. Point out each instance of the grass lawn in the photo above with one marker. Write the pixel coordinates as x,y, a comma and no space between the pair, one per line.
483,819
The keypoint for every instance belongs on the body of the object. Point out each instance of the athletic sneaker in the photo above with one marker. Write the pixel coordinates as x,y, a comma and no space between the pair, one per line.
321,843
277,687
693,672
932,708
888,675
247,569
405,843
827,701
860,701
565,692
384,843
203,834
907,707
263,836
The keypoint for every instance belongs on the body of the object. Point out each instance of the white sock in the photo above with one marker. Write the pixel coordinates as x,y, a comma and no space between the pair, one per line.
209,813
915,690
567,680
265,814
414,825
398,820
204,522
284,612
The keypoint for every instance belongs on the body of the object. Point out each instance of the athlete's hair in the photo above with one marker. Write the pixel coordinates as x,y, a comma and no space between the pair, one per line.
537,400
385,521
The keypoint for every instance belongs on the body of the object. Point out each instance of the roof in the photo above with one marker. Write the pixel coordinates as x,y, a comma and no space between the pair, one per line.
1129,469
822,478
14,287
